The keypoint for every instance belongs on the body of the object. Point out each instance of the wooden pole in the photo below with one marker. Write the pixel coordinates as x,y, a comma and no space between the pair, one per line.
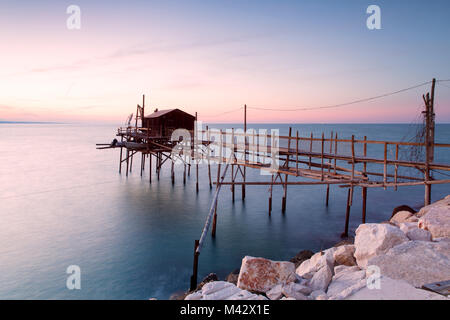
335,152
150,168
128,160
385,164
172,172
296,155
142,162
213,232
245,151
195,267
270,198
310,149
364,189
209,156
429,140
347,213
321,157
329,170
283,203
196,158
232,165
120,162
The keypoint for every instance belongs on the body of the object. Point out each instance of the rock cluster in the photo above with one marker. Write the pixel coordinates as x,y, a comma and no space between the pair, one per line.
387,261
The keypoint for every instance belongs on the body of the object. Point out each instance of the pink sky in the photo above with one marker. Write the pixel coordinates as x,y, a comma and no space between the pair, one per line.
99,73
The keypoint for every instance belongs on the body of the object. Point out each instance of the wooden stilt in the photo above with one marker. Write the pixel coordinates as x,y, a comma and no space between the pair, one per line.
209,156
245,152
270,198
120,162
364,204
142,163
310,149
283,204
172,172
347,213
131,162
329,170
128,160
195,267
150,168
364,189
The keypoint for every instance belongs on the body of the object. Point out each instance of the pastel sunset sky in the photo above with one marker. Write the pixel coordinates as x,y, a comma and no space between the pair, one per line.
215,56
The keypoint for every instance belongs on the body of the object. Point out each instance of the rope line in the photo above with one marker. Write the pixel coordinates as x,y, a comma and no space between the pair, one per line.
347,103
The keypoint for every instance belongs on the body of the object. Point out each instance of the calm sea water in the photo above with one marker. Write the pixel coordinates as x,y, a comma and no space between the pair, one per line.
63,203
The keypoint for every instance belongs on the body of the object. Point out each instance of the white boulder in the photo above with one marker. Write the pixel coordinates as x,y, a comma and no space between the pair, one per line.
437,221
417,262
374,239
391,289
344,279
316,262
438,204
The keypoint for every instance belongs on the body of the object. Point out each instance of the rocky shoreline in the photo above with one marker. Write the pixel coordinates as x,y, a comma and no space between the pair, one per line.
389,260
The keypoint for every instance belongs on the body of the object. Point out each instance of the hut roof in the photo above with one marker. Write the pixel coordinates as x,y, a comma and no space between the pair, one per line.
160,113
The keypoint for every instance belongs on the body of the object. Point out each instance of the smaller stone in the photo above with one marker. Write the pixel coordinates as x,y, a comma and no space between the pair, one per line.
233,277
316,294
194,296
209,278
413,218
275,293
406,226
400,217
343,268
309,267
419,234
284,298
344,255
297,288
321,279
290,291
215,286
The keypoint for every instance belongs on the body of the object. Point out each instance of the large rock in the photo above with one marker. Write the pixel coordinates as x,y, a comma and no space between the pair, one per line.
374,239
344,255
437,221
391,289
444,203
261,275
417,262
309,267
321,279
344,279
401,216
